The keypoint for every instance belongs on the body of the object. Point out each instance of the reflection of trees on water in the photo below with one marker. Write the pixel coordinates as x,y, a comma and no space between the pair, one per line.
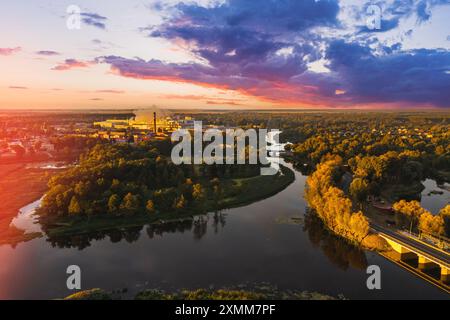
197,225
200,228
218,220
338,251
170,227
82,241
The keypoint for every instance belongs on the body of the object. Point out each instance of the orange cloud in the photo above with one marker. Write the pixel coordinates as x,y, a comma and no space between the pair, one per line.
71,64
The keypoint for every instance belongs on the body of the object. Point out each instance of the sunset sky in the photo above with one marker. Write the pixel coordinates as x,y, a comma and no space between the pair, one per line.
225,54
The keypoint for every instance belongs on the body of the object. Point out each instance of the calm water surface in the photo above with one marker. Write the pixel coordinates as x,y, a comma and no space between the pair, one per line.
248,245
434,197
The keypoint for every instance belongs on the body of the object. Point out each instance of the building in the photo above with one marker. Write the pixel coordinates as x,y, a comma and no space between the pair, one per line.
160,125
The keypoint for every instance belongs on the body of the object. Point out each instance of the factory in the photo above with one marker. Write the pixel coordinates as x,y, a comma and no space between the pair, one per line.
155,125
138,128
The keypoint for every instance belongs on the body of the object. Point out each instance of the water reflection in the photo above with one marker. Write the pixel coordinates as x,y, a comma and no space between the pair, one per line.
197,225
338,251
341,253
435,196
240,245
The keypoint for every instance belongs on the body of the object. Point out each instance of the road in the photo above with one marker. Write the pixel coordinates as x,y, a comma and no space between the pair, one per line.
414,245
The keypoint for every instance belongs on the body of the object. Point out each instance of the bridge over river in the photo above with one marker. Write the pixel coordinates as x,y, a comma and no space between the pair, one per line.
429,258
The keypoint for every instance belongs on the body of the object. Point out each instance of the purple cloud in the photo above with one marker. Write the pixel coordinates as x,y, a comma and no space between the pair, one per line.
94,19
47,53
413,76
264,49
72,64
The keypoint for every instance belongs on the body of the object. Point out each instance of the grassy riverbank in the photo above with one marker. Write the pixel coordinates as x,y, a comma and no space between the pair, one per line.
259,293
236,193
255,188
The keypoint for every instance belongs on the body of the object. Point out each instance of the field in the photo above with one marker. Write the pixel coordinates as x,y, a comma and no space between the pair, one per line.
18,187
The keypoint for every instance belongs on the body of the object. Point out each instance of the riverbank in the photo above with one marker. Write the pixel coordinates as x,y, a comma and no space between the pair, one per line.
19,186
249,190
230,294
256,188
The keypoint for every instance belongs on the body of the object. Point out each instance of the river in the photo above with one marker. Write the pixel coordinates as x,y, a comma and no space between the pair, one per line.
434,197
258,243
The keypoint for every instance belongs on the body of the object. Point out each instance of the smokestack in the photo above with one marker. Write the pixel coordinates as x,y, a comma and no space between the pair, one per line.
154,122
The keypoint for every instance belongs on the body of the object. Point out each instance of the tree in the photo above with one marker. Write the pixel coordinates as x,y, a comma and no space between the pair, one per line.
412,171
83,188
431,224
359,225
115,184
331,204
445,214
74,206
150,207
164,198
130,203
113,204
359,189
197,192
410,209
179,202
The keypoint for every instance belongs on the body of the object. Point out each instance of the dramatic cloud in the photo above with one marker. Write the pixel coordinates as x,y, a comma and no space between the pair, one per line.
415,76
265,49
249,33
402,9
71,64
9,51
94,20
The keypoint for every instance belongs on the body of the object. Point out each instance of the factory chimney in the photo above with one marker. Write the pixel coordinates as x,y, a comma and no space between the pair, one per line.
154,122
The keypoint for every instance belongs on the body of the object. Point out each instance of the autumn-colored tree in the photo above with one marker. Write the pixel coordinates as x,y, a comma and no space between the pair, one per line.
197,192
150,207
130,203
445,214
411,209
331,204
74,206
179,202
359,188
431,224
113,204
